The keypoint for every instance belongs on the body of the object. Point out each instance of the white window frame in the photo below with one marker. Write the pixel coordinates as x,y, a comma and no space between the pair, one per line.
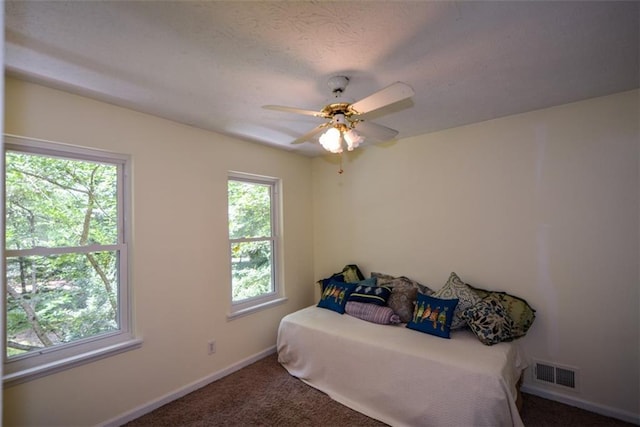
49,360
276,296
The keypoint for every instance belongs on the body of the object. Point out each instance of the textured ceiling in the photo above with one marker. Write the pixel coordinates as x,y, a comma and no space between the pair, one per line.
214,64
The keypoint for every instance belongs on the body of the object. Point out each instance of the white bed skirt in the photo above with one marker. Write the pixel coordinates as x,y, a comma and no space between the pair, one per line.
400,376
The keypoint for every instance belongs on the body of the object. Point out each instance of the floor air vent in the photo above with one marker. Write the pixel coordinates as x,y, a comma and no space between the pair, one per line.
557,375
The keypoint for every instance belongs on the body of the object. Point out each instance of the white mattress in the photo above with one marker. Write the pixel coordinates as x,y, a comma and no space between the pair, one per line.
400,376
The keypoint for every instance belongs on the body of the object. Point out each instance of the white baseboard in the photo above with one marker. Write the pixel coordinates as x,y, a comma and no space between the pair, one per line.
582,404
170,397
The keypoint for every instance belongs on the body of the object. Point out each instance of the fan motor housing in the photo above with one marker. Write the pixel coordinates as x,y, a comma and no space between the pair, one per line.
338,108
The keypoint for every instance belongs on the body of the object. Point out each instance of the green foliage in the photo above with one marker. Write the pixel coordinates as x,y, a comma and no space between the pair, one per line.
249,210
59,203
251,269
250,219
49,198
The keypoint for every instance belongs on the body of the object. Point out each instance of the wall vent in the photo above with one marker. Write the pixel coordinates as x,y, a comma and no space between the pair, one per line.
545,373
549,373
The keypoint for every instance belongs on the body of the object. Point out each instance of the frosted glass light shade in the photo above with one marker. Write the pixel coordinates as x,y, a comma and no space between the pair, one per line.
353,139
331,140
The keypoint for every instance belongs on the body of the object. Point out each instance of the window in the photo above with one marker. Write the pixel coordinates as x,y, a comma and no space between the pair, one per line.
254,242
66,287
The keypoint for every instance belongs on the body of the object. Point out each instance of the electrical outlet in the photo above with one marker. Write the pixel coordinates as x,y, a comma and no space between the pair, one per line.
212,346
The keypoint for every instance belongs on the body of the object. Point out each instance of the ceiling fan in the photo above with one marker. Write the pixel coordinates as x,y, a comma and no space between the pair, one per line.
344,116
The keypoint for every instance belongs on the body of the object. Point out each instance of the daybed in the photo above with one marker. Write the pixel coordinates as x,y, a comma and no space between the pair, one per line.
401,376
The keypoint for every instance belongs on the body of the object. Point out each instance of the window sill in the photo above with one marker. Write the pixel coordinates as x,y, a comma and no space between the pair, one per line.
69,362
255,308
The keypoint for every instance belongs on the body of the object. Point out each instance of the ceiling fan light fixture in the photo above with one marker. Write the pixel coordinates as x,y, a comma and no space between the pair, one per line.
353,139
344,115
331,140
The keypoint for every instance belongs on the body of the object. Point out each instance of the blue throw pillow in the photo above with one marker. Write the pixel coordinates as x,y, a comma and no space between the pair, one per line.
433,315
370,294
326,282
335,296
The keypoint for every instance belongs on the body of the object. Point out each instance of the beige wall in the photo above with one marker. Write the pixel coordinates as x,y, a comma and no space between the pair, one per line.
543,205
180,271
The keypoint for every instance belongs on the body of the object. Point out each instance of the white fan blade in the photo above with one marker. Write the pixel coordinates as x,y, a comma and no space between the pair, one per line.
389,95
293,110
376,131
307,136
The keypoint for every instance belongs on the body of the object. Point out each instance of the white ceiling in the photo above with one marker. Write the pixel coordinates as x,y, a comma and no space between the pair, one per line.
213,64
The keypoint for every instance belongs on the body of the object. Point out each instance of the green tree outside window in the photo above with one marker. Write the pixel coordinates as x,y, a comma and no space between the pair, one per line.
251,238
61,267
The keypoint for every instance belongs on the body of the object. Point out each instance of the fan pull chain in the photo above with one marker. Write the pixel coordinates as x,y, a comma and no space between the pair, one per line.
340,170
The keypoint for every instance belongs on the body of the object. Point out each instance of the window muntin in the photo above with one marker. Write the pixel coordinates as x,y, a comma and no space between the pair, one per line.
253,239
66,287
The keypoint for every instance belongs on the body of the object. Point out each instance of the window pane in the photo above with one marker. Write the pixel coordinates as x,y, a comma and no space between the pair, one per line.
55,202
59,299
249,210
251,269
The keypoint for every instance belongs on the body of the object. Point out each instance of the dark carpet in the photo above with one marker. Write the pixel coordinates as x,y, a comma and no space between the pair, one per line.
264,394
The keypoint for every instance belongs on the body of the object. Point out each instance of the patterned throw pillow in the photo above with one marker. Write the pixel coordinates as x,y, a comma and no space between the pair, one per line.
433,315
370,294
349,274
401,300
520,312
335,296
490,321
403,293
457,289
371,313
366,282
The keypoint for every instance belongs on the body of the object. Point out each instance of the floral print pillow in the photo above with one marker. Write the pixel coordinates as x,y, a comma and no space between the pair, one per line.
489,321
